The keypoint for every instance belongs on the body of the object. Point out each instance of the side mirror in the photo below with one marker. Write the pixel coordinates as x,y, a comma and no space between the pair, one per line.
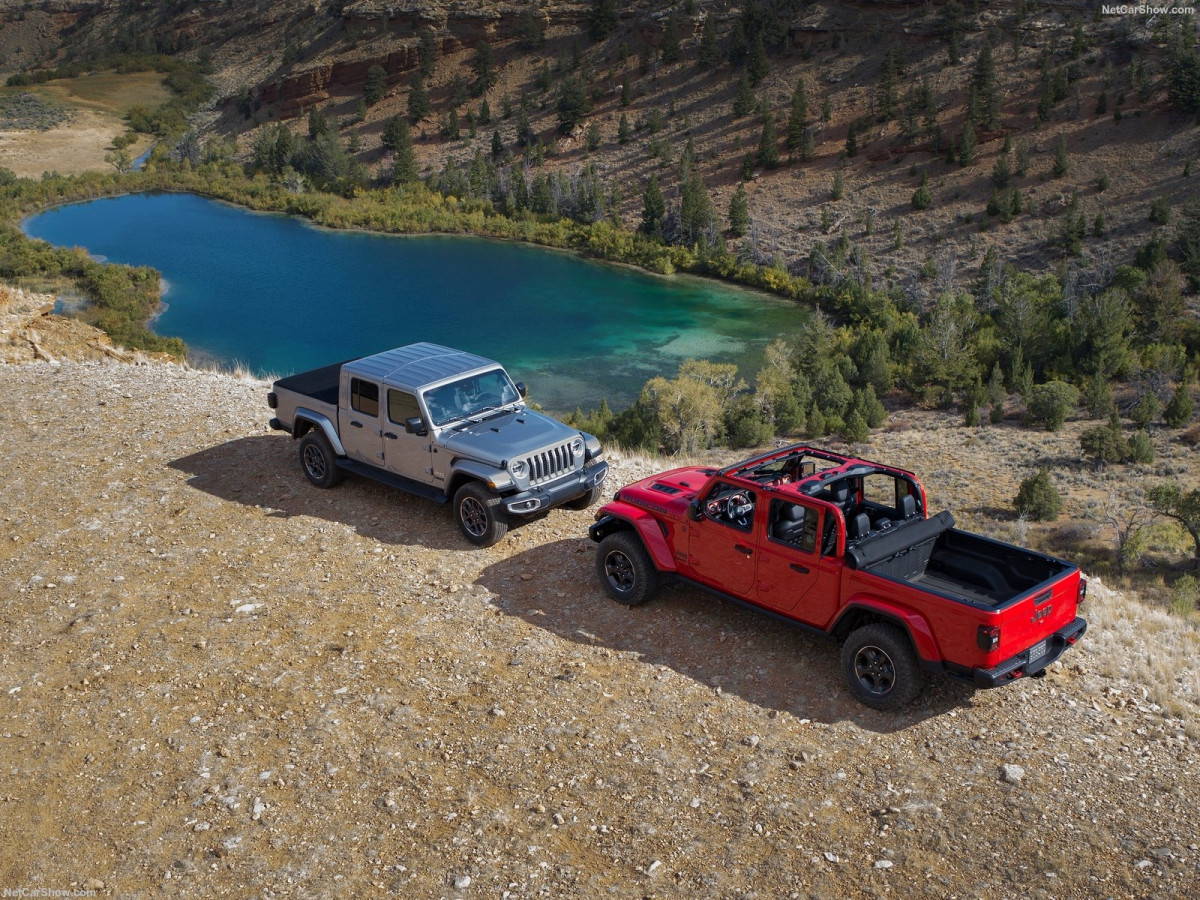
521,388
695,513
415,426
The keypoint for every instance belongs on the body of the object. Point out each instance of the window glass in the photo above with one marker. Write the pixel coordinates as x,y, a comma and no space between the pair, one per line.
364,397
401,406
470,396
793,524
730,505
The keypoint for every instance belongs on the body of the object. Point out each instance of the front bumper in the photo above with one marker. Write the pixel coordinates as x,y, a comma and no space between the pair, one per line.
1021,665
544,497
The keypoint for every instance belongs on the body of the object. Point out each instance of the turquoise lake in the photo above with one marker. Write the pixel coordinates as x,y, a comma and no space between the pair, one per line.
278,295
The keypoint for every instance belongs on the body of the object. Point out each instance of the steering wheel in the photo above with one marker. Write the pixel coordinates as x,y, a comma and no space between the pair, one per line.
486,400
738,508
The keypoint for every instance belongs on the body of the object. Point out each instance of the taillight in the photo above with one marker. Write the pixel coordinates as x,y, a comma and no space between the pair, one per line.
272,400
988,637
1082,590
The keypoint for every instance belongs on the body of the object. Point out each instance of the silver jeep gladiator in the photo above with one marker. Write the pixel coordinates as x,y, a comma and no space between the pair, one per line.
442,424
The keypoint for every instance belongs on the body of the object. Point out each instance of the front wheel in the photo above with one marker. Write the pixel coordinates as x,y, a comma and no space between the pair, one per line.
480,517
880,667
318,460
625,568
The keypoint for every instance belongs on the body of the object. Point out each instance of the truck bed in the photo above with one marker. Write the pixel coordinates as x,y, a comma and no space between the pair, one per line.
320,384
931,553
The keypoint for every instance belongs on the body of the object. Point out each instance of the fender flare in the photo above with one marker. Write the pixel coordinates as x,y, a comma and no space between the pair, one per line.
618,516
318,420
497,479
911,622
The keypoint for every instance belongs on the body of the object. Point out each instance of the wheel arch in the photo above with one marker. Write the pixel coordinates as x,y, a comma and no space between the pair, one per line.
620,517
307,420
912,625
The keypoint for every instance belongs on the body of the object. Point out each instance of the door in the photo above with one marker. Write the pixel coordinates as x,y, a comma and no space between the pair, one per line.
721,542
406,454
791,578
360,432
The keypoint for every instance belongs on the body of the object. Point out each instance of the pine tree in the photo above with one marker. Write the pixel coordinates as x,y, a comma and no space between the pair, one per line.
986,87
623,130
602,19
743,100
671,49
484,69
1062,164
427,53
739,212
768,152
796,129
709,54
757,66
375,85
497,144
418,100
654,208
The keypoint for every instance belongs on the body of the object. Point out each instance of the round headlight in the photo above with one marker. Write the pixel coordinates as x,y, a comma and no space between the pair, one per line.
517,467
577,446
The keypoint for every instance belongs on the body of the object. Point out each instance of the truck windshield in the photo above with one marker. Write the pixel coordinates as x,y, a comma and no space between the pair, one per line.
470,396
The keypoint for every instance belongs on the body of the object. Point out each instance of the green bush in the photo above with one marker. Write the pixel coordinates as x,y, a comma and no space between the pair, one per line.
1179,411
1185,595
1037,498
1051,403
1140,448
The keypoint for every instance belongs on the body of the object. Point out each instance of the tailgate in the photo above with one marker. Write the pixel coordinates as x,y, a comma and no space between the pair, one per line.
1037,614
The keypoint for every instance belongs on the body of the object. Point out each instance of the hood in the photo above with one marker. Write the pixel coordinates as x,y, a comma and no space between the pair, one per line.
506,436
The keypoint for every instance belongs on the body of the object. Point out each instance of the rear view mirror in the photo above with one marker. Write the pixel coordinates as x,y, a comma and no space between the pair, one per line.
521,388
694,511
415,426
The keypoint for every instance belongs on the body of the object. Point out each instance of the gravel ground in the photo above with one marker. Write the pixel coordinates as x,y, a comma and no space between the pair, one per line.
217,680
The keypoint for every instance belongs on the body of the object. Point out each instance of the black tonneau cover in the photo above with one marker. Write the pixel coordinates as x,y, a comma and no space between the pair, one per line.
900,539
320,384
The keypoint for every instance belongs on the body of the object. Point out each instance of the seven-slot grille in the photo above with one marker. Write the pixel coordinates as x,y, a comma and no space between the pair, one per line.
547,464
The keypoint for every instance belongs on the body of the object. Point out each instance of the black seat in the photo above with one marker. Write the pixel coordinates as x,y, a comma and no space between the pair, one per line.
790,524
860,526
908,506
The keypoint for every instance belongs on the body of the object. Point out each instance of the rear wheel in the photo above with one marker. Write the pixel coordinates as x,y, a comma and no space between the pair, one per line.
880,667
318,460
480,516
625,568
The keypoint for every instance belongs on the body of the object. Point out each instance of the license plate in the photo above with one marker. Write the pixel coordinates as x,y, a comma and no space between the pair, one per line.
1037,651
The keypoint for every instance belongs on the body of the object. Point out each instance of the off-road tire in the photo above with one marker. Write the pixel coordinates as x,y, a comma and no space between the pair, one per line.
586,499
625,568
880,667
479,515
318,461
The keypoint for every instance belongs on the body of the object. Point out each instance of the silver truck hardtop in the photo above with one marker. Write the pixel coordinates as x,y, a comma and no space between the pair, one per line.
418,366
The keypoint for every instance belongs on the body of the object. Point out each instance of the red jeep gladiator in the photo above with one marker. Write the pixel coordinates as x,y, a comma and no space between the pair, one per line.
845,547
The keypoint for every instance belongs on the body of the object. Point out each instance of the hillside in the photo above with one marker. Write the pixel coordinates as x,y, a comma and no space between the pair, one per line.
221,681
1127,143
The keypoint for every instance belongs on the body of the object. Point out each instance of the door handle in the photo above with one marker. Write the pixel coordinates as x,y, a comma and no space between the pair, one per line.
390,434
356,424
796,567
740,548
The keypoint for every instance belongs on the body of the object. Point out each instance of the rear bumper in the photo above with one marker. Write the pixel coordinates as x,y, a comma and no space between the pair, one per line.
1022,666
276,425
539,499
